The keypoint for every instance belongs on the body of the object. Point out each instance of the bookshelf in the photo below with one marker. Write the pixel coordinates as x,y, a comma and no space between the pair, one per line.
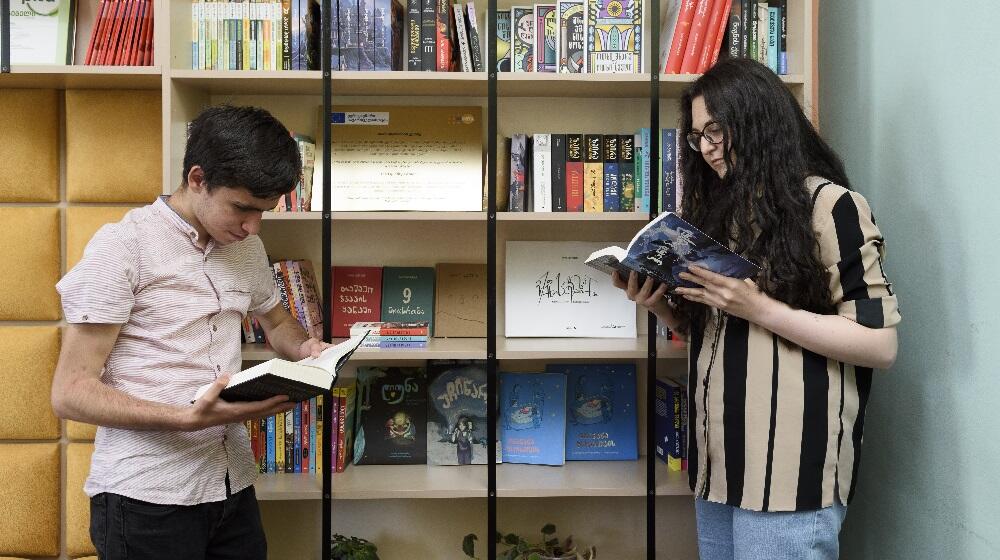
439,503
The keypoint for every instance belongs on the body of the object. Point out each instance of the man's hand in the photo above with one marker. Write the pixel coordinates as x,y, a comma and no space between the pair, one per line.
312,347
210,410
741,298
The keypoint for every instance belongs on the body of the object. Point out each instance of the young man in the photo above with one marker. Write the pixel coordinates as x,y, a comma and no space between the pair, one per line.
154,311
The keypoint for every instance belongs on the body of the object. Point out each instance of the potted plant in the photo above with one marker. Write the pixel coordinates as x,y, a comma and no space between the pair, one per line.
351,548
518,548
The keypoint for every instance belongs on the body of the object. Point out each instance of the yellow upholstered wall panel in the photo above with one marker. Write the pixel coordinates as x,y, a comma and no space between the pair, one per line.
80,431
29,499
77,503
29,168
113,146
28,358
31,242
82,222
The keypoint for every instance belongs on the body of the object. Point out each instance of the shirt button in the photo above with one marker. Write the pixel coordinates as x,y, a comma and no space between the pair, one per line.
86,317
215,327
218,368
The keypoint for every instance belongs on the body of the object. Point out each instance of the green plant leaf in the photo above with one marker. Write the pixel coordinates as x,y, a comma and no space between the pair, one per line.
469,545
535,556
511,539
548,529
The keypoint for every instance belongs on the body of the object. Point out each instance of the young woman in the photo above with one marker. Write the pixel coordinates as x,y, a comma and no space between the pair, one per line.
780,366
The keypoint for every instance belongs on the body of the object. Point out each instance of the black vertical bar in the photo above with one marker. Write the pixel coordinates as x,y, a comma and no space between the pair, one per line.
326,52
5,31
491,278
653,45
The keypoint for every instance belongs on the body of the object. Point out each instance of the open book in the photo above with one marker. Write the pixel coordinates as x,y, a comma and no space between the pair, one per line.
301,380
666,247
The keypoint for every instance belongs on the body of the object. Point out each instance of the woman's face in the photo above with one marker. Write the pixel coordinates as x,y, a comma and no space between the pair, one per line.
713,153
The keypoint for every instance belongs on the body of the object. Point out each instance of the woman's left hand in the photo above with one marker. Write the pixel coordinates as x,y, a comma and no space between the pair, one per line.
741,298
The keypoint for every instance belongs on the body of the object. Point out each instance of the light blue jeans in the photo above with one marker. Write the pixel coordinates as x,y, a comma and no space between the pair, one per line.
730,533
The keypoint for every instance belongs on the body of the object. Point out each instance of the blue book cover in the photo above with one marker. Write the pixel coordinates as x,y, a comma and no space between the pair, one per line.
456,412
270,444
668,160
601,417
533,418
612,180
297,453
313,444
667,246
667,425
366,30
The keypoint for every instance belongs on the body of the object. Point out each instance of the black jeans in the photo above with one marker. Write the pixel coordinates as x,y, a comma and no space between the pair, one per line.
126,529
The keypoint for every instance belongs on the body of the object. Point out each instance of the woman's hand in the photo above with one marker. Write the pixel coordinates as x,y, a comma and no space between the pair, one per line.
649,295
741,298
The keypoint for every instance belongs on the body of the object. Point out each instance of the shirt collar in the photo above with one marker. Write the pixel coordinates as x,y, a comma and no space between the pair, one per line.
178,221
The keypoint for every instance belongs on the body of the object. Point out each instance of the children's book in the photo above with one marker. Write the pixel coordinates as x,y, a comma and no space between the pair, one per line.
601,421
533,416
456,412
666,247
301,380
391,416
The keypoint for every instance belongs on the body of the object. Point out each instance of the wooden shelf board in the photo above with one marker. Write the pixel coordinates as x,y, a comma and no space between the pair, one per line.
530,84
584,348
293,216
298,82
572,217
56,76
673,85
437,349
446,84
409,216
378,482
287,486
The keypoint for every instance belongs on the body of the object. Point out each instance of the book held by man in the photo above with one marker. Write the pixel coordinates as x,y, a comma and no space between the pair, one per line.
301,380
668,246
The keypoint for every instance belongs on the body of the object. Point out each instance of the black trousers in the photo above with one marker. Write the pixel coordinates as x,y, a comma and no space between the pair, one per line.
125,529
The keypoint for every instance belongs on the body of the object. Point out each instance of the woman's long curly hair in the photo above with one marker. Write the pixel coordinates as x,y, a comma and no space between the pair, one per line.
761,209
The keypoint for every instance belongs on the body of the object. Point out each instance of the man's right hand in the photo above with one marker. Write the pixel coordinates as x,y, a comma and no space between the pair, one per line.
210,410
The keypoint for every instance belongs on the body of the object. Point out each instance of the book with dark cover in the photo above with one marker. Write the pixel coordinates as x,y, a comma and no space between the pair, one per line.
558,162
366,32
456,412
382,35
428,35
574,173
626,172
612,185
348,21
391,425
408,294
301,380
518,172
414,20
667,246
533,418
475,43
601,413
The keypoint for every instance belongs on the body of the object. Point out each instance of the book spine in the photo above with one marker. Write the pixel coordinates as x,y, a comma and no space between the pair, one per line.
270,444
545,39
320,425
558,166
679,41
783,44
413,29
402,344
289,441
713,35
336,43
612,184
397,338
574,172
542,172
313,442
593,173
442,19
735,28
637,166
475,42
306,433
334,428
674,457
382,35
428,35
518,172
773,37
626,171
279,442
463,40
297,432
502,57
342,432
696,39
668,145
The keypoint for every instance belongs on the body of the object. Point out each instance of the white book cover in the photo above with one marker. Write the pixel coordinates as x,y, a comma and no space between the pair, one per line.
550,292
541,172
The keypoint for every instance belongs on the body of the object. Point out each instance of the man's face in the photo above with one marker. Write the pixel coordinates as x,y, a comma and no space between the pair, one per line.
231,214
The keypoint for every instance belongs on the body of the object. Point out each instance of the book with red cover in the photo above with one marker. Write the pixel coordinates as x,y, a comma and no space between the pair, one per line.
713,39
574,173
94,31
677,45
357,296
696,40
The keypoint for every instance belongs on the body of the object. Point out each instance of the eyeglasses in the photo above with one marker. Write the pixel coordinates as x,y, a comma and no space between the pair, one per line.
712,132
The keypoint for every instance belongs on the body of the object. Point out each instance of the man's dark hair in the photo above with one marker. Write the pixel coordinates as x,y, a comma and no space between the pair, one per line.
243,147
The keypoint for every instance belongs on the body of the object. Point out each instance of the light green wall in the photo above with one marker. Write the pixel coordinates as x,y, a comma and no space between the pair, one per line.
910,98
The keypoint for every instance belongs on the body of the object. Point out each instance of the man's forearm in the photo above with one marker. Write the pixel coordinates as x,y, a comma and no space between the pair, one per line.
287,337
92,402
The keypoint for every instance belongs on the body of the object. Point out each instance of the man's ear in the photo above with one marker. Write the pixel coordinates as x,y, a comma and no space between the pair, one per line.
196,179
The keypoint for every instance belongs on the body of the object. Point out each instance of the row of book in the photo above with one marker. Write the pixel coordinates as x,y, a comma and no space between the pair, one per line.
592,172
696,33
299,293
571,36
252,35
122,34
670,426
290,442
300,199
442,37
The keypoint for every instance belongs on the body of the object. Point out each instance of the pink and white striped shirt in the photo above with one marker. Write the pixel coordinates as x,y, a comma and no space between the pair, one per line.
180,307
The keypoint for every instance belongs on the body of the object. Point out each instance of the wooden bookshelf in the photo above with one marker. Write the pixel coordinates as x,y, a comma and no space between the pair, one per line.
289,486
51,76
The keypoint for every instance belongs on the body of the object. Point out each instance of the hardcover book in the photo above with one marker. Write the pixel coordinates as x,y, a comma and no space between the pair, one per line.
522,20
357,296
301,380
502,57
408,294
391,416
456,412
612,186
550,292
533,418
574,173
601,417
460,300
571,46
614,36
518,173
667,246
626,172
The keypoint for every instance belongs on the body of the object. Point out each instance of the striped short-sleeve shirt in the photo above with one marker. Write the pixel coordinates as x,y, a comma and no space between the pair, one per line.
181,308
775,427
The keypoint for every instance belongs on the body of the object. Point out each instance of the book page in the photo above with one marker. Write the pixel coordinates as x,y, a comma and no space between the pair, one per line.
331,358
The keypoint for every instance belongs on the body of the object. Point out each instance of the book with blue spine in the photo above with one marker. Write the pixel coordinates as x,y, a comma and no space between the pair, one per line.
601,414
644,168
533,418
297,433
612,181
270,445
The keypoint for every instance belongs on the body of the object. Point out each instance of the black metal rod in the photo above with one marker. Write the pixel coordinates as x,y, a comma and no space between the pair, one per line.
491,278
326,52
653,46
5,32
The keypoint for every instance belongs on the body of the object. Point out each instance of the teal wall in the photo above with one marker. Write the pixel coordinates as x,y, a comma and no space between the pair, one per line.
910,98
